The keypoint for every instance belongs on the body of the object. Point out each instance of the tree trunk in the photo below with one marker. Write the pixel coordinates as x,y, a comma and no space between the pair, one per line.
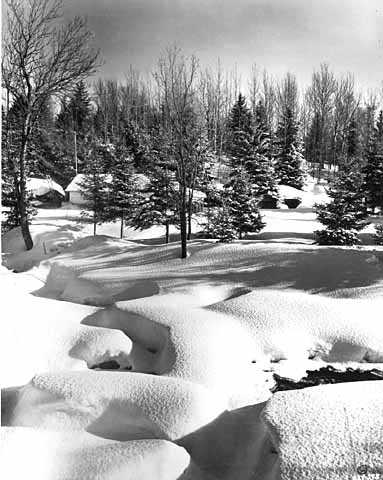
167,232
94,223
21,193
122,224
189,220
183,223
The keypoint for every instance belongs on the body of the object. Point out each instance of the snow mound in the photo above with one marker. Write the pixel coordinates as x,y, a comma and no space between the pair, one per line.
116,405
46,335
49,455
205,347
328,432
292,325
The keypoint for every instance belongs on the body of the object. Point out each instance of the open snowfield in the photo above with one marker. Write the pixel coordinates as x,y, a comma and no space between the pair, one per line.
125,362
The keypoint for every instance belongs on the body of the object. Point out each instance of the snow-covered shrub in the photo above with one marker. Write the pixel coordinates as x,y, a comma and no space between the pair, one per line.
379,234
346,214
340,236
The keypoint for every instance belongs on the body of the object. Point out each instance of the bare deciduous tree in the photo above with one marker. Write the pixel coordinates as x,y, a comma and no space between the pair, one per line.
176,79
42,58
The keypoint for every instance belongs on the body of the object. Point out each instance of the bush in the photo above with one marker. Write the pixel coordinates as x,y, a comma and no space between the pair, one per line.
292,202
340,236
379,234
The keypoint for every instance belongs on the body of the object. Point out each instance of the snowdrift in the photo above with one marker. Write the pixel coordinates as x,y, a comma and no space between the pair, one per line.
291,325
46,335
116,405
328,432
48,455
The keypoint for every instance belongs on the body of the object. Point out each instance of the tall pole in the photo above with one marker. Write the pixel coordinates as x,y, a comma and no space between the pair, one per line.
75,151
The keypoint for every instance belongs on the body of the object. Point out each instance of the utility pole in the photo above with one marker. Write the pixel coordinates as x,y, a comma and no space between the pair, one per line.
75,150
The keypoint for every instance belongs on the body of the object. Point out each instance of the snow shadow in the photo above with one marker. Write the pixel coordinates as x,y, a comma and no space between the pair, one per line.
234,445
152,350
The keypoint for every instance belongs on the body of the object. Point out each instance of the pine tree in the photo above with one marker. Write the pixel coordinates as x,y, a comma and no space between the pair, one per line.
242,204
373,170
345,215
352,140
10,172
288,148
157,204
95,186
258,161
122,193
220,225
240,132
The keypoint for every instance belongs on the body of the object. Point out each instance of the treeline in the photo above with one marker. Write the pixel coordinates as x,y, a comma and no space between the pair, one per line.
187,129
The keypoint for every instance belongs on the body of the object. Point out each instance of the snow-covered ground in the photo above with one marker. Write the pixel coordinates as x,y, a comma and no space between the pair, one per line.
123,361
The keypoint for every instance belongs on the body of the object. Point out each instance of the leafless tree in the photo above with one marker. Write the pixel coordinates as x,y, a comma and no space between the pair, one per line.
42,58
176,78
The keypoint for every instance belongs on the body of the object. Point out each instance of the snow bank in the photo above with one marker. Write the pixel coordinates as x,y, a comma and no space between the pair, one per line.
328,432
49,455
291,325
211,349
45,335
116,405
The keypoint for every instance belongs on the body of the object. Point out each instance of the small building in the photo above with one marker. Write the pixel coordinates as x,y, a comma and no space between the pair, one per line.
45,192
73,190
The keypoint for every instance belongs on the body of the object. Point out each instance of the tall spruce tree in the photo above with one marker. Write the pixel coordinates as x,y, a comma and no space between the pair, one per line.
240,132
95,187
346,214
157,204
373,169
258,161
122,193
288,151
237,213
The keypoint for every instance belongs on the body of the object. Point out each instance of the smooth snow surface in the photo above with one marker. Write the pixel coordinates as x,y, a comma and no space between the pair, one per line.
328,432
117,405
35,454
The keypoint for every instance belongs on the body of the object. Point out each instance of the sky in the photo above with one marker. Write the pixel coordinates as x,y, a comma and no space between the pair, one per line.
279,35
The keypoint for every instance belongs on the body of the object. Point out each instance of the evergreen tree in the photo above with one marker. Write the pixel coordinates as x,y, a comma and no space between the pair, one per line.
220,225
288,151
345,215
96,186
352,140
240,132
122,192
242,204
373,170
10,171
258,160
157,204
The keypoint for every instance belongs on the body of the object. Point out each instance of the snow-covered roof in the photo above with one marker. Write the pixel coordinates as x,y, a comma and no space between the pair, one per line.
140,180
41,186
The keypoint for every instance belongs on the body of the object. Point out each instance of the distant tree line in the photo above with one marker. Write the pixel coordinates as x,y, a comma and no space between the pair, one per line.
187,129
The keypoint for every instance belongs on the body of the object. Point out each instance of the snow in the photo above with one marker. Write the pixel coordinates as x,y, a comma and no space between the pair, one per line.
50,455
118,405
46,335
196,343
288,325
41,186
329,431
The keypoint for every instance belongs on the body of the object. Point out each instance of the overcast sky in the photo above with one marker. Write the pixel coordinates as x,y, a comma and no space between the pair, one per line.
279,35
